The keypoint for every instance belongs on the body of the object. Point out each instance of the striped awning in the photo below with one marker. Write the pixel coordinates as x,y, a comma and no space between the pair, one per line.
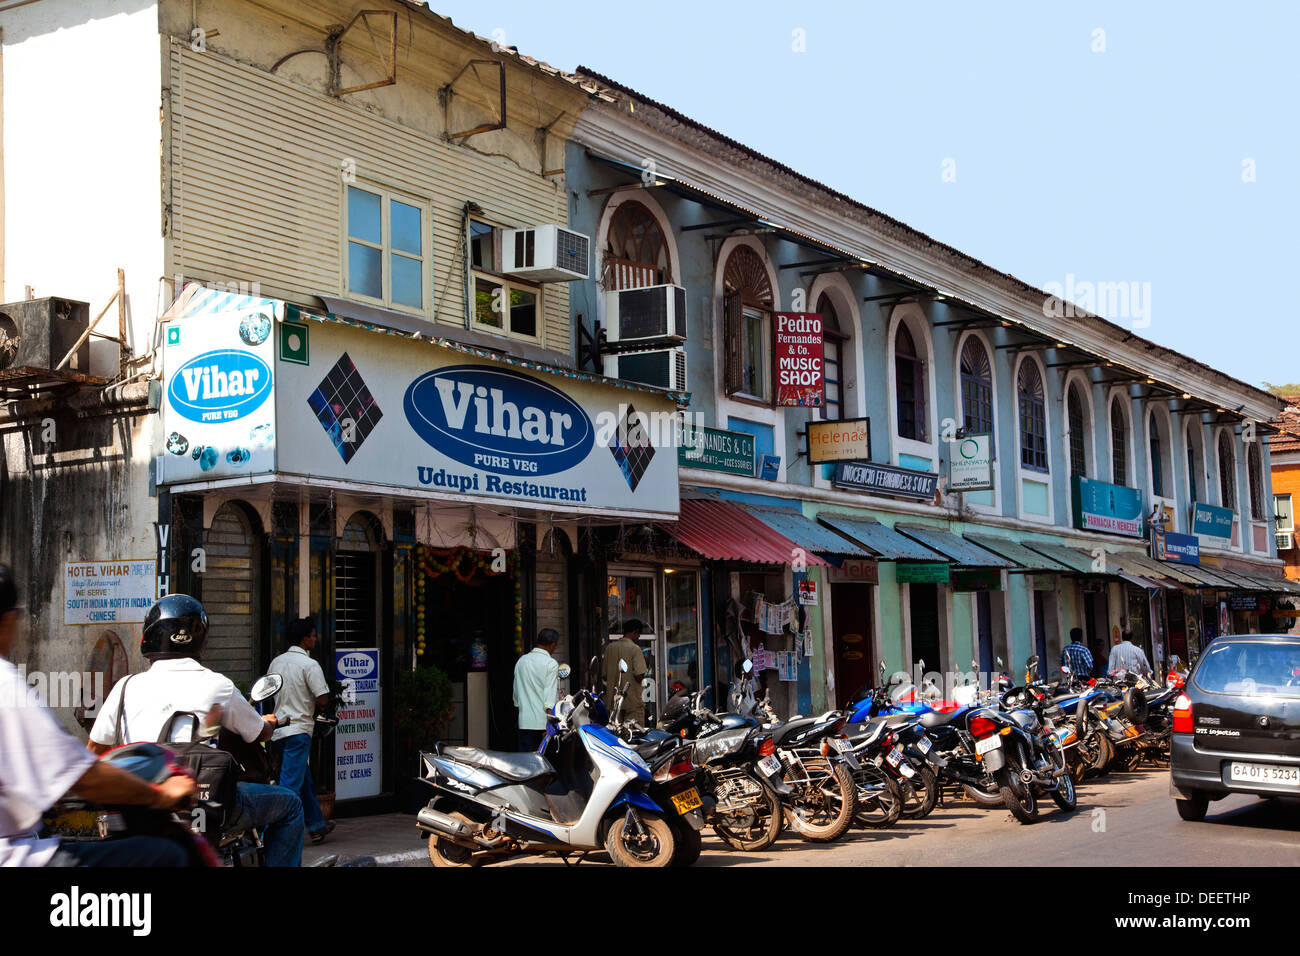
726,531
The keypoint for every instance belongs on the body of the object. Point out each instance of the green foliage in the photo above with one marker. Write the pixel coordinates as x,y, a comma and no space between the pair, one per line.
1283,391
422,705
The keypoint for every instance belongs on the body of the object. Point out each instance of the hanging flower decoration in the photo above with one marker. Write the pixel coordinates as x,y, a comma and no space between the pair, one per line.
465,564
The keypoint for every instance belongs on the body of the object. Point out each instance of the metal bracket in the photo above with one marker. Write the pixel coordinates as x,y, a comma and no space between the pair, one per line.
332,51
447,91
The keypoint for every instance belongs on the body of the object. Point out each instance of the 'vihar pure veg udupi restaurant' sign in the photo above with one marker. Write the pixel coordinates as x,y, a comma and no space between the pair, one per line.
323,399
1099,506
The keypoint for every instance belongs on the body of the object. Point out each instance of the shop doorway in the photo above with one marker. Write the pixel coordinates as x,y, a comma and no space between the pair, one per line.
1095,617
923,602
852,639
1040,632
667,603
984,630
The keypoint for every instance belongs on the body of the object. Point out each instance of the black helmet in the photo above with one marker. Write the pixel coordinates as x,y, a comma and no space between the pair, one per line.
174,627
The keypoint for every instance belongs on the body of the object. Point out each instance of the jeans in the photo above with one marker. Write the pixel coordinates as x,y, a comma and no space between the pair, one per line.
530,740
295,775
278,812
128,851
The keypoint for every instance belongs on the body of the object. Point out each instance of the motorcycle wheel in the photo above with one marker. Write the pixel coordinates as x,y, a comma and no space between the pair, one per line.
1065,795
1135,706
882,808
445,853
823,808
760,829
656,849
925,786
688,845
1130,759
1017,796
1105,754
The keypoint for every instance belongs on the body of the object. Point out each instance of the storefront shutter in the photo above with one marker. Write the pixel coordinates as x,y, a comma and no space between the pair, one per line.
733,320
229,597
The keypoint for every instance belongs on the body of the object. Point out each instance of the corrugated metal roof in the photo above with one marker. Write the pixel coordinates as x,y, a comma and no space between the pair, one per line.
725,531
1136,562
960,551
1204,577
1239,581
1015,551
880,539
806,532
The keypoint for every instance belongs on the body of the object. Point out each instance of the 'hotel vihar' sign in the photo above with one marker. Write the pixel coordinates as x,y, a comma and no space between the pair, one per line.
1099,506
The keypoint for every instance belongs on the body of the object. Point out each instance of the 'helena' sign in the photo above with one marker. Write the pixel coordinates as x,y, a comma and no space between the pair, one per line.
1099,506
886,479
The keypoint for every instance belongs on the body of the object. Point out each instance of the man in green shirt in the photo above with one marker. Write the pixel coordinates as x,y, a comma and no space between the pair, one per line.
626,648
536,688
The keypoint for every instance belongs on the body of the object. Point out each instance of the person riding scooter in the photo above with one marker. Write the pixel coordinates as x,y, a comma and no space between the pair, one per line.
140,707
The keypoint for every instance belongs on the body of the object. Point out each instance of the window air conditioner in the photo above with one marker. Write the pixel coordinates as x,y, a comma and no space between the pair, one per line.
644,315
661,368
1285,540
545,254
37,333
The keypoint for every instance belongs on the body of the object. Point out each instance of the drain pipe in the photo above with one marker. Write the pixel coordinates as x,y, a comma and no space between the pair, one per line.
466,253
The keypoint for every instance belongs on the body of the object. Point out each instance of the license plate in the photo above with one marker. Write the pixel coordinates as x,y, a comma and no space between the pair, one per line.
987,744
906,770
894,757
770,766
923,745
840,744
1266,773
687,800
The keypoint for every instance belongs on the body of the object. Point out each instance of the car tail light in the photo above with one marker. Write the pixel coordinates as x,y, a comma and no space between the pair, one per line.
1183,715
981,727
767,747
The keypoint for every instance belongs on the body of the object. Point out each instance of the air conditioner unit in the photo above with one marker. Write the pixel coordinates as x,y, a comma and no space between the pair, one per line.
644,315
545,254
37,333
661,368
1285,540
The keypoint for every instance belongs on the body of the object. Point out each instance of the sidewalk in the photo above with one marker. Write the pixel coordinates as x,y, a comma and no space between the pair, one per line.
378,840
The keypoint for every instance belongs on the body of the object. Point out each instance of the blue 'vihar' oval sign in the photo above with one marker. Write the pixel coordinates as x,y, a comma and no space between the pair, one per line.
220,386
498,420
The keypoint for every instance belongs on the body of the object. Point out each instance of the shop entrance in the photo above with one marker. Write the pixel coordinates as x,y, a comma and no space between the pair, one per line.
1094,609
666,602
1040,632
923,602
854,648
984,630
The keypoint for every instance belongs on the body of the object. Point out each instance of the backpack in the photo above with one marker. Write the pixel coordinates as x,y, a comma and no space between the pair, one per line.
215,771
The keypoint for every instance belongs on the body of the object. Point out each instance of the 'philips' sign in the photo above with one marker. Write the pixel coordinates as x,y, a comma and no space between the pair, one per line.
220,386
498,420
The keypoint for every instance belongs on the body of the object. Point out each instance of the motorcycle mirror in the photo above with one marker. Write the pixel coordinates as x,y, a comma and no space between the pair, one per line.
748,666
1065,668
622,666
565,671
882,668
265,687
1031,661
1000,664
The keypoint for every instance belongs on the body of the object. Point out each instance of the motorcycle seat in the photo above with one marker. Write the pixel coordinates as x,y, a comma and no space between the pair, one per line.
938,719
791,729
509,765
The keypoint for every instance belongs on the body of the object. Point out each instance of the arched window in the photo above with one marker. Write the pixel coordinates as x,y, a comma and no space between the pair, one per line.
636,253
1227,473
1118,444
748,304
1256,478
1033,417
833,341
1191,473
1078,435
1157,460
976,387
909,385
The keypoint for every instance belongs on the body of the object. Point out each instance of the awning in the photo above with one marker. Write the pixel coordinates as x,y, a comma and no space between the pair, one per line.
806,532
1018,553
1205,577
1080,562
725,531
1276,584
1146,583
882,541
1236,581
1139,563
954,547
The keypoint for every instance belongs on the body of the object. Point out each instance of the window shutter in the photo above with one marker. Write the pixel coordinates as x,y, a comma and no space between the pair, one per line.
732,318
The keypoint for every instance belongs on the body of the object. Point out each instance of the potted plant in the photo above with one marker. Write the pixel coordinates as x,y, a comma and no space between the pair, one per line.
422,706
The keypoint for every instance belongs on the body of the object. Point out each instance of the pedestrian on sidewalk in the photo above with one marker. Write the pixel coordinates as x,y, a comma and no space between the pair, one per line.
304,690
1126,655
1077,656
537,680
626,648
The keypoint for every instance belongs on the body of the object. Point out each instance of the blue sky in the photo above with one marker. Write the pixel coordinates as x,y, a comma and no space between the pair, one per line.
1123,164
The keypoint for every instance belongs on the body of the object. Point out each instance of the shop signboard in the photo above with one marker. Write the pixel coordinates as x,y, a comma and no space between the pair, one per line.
977,579
385,411
854,571
108,592
886,479
799,371
1099,506
218,395
921,572
1177,548
1243,602
970,463
846,439
357,738
714,449
1212,522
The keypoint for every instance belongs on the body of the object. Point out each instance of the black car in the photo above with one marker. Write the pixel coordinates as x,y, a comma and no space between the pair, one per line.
1236,728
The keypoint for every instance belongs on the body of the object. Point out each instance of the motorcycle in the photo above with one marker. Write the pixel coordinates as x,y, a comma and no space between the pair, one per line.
1023,749
819,765
586,791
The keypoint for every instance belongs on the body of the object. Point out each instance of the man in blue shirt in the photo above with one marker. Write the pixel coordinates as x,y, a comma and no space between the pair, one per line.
536,688
1077,656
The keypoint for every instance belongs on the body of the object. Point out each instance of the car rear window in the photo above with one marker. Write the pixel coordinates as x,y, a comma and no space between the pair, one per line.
1250,669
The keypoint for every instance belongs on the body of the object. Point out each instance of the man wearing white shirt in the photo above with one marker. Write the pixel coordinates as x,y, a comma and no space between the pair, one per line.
303,691
537,680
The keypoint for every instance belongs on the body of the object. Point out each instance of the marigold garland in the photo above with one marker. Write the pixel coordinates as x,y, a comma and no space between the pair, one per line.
465,564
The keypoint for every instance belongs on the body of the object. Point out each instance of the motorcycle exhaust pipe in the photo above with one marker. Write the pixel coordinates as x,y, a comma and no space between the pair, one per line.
431,821
1027,776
